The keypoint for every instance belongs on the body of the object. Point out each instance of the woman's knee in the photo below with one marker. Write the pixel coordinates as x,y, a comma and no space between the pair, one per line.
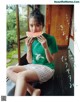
9,69
28,76
21,76
24,75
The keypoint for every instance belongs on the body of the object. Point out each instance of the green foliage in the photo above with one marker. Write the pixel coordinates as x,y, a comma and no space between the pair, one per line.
11,17
10,55
12,62
11,27
11,32
11,39
23,26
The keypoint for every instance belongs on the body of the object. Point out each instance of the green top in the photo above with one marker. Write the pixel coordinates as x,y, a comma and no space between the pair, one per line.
38,52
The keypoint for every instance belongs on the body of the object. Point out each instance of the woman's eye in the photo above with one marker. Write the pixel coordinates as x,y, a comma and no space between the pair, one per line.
38,25
31,25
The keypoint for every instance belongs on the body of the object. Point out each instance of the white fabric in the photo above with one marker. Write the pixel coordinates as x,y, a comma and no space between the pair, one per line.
44,73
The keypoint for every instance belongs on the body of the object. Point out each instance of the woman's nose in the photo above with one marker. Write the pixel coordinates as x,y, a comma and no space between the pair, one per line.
34,29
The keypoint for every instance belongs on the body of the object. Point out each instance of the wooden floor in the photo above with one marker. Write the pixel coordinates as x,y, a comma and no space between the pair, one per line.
64,75
62,84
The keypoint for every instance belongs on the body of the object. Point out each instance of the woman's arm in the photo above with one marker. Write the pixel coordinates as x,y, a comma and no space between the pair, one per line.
28,42
29,55
49,56
43,42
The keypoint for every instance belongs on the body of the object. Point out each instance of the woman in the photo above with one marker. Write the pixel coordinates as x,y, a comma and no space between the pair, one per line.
40,56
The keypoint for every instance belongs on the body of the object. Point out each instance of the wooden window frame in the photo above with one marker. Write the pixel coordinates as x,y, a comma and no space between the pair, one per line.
18,33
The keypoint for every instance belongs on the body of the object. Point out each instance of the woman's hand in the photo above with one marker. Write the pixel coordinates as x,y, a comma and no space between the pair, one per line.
29,41
43,41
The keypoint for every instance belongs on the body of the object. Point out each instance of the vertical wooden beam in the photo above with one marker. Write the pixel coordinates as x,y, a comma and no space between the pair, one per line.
28,15
48,18
18,32
70,28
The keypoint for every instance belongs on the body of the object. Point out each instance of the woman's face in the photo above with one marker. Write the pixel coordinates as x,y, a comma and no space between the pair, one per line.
34,26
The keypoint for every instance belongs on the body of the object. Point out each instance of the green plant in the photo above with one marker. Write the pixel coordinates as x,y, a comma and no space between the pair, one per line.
11,39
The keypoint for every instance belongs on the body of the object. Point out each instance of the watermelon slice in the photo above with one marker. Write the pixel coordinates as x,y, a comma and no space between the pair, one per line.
36,34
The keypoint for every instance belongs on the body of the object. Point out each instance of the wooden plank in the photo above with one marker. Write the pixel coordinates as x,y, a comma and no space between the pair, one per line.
58,22
48,20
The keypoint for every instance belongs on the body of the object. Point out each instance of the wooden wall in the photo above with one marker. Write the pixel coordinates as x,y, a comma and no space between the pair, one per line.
58,22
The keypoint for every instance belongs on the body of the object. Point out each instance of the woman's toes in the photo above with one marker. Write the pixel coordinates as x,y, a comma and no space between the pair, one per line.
36,92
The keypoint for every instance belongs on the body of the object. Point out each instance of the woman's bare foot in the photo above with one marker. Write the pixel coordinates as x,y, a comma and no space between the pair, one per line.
36,92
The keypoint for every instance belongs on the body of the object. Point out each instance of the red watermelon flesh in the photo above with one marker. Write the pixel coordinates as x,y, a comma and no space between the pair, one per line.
36,34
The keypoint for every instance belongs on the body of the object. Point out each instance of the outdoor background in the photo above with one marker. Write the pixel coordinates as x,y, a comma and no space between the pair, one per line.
12,49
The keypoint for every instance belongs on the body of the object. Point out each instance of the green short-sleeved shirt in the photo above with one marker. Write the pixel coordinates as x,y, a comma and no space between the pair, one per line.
38,52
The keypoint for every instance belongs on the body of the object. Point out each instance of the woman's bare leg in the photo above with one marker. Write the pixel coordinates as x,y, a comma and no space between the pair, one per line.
36,92
22,82
12,73
21,86
33,91
22,91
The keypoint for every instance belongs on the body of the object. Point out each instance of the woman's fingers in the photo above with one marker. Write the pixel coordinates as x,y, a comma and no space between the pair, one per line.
41,39
29,41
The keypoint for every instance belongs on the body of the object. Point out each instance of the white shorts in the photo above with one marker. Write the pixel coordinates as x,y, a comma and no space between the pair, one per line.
44,73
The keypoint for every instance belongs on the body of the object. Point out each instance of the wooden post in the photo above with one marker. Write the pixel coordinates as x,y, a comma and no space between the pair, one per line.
18,32
28,15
